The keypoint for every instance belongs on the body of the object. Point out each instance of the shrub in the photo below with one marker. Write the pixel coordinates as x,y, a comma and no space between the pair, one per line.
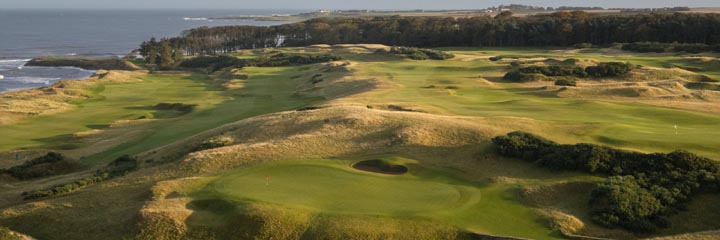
282,59
213,63
703,86
556,70
644,189
669,47
565,82
646,47
51,164
118,167
621,201
122,166
517,76
609,69
583,45
215,142
421,53
437,55
496,58
418,56
180,107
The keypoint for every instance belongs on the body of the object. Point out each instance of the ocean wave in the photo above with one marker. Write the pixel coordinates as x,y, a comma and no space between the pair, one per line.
14,60
195,19
31,80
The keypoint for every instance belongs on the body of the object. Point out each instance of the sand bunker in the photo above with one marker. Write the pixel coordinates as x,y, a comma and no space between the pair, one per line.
380,166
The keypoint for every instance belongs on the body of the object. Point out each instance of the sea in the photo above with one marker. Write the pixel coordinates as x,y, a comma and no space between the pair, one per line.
87,33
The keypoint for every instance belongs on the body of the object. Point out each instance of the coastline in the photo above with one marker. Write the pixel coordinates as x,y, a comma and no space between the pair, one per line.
56,97
36,73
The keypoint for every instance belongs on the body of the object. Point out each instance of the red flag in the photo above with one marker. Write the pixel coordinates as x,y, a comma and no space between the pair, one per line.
266,177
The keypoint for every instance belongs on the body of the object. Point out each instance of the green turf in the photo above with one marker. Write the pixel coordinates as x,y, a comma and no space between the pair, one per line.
334,187
331,186
267,90
626,125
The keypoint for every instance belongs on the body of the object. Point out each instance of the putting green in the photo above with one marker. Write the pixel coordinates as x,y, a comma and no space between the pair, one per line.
336,187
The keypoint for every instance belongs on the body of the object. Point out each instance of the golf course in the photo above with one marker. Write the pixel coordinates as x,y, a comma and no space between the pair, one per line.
366,145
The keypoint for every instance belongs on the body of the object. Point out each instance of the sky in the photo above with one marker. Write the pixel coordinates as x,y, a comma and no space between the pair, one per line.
337,4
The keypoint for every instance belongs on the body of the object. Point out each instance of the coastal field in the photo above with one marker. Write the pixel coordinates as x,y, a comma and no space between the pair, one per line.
268,152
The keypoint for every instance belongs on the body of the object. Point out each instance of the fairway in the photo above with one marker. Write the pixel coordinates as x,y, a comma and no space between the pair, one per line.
339,188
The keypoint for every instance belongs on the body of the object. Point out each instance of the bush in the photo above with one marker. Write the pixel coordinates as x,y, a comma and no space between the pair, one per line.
213,63
421,53
570,69
215,142
657,47
644,189
496,58
51,164
620,201
118,167
609,69
180,107
282,59
565,82
703,86
516,76
556,70
122,166
418,56
646,47
583,45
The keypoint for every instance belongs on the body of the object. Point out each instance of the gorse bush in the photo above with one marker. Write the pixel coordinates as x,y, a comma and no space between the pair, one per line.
48,165
645,187
118,167
555,71
215,142
282,59
565,82
180,107
516,76
213,63
658,47
419,53
609,69
569,69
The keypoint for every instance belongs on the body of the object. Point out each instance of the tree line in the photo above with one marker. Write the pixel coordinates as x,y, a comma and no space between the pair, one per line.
642,190
557,29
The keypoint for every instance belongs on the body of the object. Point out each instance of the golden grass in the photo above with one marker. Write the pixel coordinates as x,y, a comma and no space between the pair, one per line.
340,131
15,106
168,216
709,235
